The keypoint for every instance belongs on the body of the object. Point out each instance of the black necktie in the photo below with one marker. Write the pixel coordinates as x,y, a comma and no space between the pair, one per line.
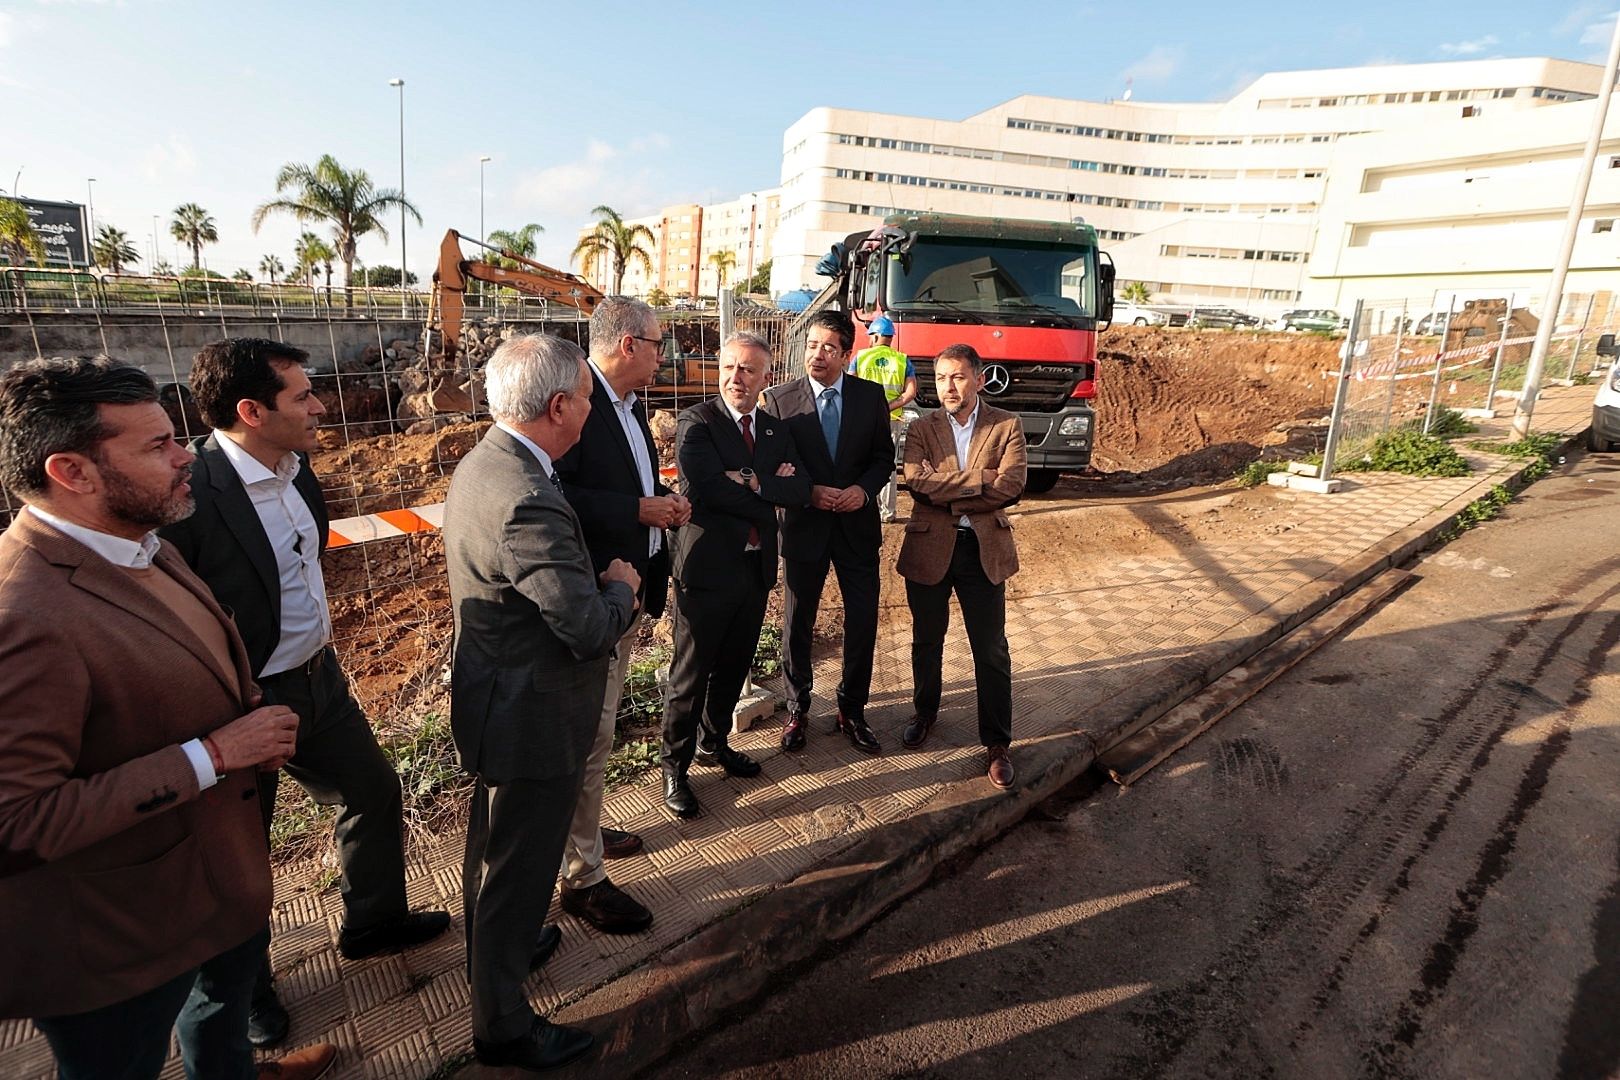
747,423
556,482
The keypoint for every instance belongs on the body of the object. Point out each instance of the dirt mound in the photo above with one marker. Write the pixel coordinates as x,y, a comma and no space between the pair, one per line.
1203,404
391,472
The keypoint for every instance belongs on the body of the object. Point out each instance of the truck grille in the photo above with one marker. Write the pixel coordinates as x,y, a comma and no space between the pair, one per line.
1030,387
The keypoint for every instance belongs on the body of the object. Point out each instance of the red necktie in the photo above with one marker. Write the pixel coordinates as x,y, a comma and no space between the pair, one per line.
747,423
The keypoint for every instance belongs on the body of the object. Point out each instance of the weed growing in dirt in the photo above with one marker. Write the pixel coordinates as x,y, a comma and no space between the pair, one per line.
425,756
643,700
1255,472
1449,423
1537,444
630,760
1409,453
768,654
1480,511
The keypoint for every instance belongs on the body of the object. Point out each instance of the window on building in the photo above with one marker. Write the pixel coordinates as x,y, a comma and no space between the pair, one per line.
1603,224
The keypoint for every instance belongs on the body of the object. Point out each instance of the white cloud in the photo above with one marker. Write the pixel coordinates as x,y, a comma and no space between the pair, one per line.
629,178
169,160
1161,62
1469,48
1599,33
8,29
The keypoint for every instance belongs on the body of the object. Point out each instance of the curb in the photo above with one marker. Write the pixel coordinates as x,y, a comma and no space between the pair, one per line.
648,1012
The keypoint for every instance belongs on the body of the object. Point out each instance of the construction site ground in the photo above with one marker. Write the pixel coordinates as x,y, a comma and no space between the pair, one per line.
1139,585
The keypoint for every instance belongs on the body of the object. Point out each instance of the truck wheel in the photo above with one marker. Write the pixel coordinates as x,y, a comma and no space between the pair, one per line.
1040,481
1594,442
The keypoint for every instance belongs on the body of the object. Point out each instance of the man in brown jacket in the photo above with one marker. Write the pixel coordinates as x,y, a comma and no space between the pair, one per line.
134,881
965,463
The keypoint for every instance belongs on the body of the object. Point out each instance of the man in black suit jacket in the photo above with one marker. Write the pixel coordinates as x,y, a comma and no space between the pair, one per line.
840,425
737,466
256,539
611,479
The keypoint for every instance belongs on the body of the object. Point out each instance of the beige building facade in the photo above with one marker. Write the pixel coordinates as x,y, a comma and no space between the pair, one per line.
1204,202
686,237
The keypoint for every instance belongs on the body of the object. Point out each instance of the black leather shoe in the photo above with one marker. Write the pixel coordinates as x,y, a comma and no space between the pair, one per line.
678,795
268,1022
860,736
917,730
793,731
607,907
735,762
618,844
412,928
545,945
546,1046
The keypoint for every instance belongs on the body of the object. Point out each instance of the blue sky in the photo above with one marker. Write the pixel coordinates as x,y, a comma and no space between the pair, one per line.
173,101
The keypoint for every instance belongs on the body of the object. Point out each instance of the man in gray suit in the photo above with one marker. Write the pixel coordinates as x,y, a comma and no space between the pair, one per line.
534,632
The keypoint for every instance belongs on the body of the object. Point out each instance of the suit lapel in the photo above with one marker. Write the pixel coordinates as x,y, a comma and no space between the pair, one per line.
730,432
101,578
309,486
236,510
980,440
602,403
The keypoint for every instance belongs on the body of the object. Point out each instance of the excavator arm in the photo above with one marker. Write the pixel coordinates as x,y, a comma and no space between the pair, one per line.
532,278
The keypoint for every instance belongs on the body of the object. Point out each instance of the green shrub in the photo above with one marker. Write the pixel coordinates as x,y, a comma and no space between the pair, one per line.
1449,423
1409,453
1536,444
768,654
1255,472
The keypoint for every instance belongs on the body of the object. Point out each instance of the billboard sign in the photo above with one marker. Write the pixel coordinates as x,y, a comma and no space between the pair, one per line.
63,229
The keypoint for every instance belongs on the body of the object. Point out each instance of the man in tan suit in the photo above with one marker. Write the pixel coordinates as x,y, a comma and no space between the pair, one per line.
134,881
965,463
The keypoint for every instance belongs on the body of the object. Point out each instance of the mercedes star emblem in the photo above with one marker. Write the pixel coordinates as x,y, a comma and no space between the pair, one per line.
996,379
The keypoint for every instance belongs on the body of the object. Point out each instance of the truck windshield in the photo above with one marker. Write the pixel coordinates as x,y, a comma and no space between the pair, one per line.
975,280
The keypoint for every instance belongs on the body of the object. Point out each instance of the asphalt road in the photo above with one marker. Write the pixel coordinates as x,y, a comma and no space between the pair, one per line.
1402,859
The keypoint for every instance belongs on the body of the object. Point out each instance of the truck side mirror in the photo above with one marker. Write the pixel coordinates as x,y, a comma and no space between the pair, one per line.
1607,347
1105,288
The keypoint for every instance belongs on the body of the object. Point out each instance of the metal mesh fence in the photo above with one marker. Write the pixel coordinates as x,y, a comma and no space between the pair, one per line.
1409,364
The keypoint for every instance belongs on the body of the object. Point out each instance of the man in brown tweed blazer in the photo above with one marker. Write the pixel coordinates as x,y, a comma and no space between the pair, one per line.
965,463
134,881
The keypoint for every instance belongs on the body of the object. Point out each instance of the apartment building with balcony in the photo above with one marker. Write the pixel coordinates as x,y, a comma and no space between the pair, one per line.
1204,202
685,238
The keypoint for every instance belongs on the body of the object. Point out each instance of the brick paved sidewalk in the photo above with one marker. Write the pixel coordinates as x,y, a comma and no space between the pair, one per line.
1103,630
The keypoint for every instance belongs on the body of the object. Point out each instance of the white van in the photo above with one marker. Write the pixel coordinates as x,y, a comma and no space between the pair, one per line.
1605,432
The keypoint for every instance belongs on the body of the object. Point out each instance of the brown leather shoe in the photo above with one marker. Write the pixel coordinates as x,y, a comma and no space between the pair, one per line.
607,907
860,736
793,731
618,844
1001,769
306,1064
917,730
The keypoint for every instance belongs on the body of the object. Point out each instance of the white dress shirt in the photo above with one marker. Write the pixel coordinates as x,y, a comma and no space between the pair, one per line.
137,555
539,455
963,434
294,539
624,409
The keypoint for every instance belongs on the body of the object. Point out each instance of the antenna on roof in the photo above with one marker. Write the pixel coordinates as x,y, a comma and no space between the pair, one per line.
1127,95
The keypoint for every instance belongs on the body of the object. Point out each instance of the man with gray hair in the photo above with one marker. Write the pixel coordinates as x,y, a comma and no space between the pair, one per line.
611,480
535,625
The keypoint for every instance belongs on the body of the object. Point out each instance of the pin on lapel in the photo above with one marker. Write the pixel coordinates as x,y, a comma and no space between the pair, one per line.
768,431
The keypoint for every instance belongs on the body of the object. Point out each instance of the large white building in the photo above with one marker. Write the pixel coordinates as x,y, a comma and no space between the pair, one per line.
1201,202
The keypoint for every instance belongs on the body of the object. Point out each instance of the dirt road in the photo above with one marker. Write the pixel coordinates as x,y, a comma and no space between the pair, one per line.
1400,860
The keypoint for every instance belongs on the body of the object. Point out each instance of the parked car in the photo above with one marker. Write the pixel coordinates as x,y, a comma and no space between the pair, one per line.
1221,318
1605,433
1129,314
1321,319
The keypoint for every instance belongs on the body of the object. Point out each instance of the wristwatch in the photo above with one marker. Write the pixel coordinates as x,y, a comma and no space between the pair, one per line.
747,477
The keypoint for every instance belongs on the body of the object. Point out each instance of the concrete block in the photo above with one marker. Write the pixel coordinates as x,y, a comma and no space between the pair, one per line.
1477,414
1311,483
1304,468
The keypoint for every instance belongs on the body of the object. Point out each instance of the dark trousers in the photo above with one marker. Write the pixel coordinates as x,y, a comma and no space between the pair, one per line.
716,635
129,1040
858,581
340,764
984,614
515,836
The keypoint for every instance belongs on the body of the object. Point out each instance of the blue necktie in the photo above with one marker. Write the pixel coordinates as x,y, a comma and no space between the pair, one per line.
829,419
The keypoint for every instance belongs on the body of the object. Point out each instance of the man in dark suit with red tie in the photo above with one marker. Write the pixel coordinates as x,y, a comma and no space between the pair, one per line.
737,465
840,425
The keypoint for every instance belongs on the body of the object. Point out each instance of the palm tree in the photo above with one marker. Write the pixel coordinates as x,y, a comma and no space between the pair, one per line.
113,250
522,243
163,269
194,226
1137,292
244,274
614,239
270,266
19,240
723,262
311,252
344,199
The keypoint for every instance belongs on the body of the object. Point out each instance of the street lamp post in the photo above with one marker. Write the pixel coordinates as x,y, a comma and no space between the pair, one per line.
483,237
404,301
152,268
90,186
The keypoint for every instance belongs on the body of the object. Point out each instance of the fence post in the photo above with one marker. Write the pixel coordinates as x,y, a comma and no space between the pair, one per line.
1575,353
1496,367
1341,395
1395,368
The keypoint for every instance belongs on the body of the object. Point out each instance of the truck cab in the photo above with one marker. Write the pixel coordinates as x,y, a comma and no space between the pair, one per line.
1029,296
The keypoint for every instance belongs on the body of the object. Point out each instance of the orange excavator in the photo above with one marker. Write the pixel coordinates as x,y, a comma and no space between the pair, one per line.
450,286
